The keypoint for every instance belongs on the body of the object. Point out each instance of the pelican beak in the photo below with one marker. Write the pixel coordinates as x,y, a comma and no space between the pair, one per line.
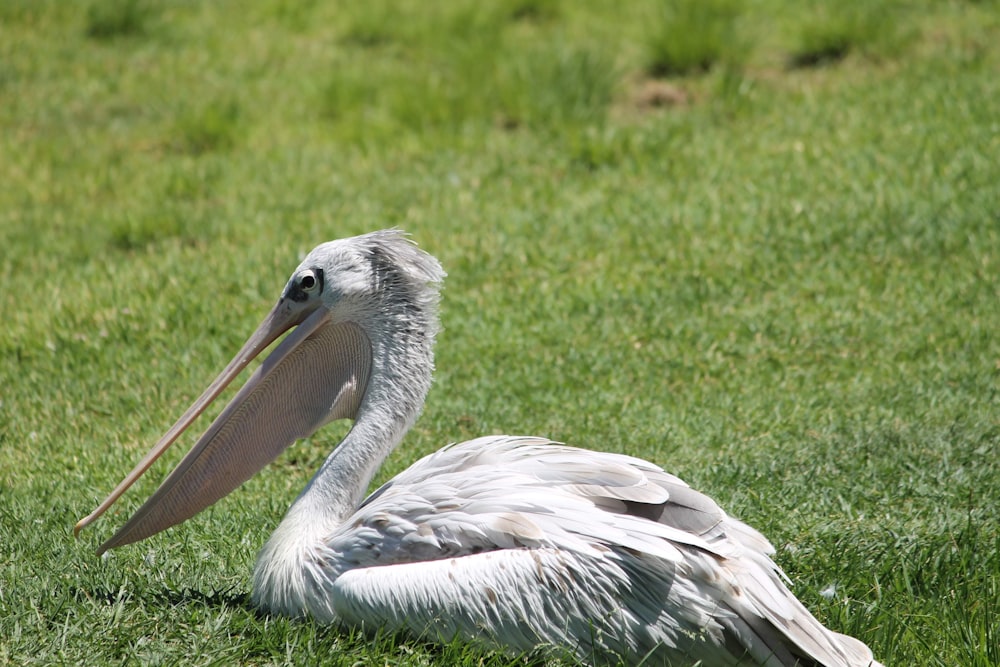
318,373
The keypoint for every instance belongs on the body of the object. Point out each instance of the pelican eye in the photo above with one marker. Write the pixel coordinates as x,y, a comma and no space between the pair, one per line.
308,282
305,285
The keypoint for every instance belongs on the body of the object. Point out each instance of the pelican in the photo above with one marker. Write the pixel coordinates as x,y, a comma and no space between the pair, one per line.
510,542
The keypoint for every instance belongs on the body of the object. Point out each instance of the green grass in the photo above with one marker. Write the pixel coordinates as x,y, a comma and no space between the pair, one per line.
784,289
108,19
690,36
834,32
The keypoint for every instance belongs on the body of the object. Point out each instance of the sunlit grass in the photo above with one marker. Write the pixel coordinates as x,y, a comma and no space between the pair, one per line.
783,287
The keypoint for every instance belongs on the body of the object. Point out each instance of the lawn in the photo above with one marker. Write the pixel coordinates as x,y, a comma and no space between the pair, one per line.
755,242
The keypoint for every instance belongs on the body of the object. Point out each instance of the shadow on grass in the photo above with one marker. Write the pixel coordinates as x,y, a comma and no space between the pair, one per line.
116,18
212,127
692,36
222,598
227,597
829,37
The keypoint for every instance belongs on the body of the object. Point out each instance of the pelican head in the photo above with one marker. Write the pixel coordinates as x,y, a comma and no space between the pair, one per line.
363,314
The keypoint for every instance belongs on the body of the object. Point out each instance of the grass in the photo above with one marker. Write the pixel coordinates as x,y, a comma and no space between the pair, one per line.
109,19
784,289
871,29
689,37
212,128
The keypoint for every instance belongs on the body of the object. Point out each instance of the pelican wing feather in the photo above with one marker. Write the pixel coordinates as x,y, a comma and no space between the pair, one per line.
485,533
519,599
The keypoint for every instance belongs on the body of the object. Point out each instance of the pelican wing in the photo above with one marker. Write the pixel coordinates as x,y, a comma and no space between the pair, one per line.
525,536
524,598
508,492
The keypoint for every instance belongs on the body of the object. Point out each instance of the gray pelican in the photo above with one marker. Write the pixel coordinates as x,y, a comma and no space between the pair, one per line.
511,542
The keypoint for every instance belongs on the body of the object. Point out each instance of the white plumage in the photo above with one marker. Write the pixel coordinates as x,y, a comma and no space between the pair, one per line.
515,542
